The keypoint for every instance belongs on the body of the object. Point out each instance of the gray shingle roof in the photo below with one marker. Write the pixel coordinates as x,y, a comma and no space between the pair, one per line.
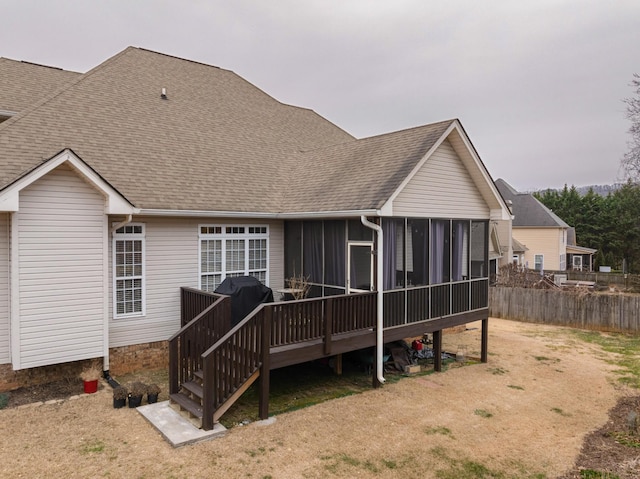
527,210
217,143
360,174
23,84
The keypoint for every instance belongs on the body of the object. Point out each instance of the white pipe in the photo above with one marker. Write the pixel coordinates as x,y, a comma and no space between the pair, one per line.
379,318
122,223
105,358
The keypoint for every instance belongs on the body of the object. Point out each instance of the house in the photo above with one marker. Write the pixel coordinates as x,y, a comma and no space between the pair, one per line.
151,173
542,240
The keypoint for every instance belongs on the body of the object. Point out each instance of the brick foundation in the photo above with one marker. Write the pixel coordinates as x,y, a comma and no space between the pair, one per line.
10,379
122,360
128,359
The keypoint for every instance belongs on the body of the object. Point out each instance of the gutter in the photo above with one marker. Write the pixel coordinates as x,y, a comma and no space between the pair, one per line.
379,316
256,215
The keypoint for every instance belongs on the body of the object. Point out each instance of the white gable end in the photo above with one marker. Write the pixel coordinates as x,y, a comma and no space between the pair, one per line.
59,271
115,202
441,188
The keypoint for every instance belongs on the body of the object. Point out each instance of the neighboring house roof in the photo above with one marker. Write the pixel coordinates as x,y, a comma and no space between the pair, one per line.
527,210
23,84
574,249
517,246
496,250
216,143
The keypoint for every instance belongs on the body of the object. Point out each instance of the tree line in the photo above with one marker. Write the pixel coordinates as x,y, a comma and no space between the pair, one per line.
610,224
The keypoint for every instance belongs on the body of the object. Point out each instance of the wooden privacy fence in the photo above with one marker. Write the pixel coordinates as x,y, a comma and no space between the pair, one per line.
579,309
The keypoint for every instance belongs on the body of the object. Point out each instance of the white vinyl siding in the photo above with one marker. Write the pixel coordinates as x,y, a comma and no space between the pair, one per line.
61,231
172,261
5,351
442,188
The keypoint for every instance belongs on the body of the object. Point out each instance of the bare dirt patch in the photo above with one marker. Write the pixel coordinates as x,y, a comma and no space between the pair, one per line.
62,389
614,449
525,414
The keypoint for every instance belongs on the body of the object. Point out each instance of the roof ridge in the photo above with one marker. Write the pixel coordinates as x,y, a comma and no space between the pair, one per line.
41,65
181,58
396,132
381,135
27,62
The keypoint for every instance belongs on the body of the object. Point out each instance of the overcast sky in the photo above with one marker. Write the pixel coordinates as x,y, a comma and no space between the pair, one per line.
538,85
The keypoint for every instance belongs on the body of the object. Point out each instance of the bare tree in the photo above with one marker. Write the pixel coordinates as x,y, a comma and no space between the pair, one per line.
631,160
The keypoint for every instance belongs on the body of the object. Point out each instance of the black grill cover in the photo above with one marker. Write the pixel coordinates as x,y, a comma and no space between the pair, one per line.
246,294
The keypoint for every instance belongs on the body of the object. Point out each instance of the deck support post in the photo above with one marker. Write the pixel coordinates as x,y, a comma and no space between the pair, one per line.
484,342
174,387
437,350
263,396
337,365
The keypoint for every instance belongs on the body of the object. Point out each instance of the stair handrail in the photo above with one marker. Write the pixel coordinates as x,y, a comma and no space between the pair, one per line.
187,344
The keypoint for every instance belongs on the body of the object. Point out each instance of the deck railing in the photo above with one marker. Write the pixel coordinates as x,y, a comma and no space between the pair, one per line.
193,302
425,303
197,335
232,361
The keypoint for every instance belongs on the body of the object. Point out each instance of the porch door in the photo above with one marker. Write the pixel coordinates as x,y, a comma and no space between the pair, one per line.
360,267
577,262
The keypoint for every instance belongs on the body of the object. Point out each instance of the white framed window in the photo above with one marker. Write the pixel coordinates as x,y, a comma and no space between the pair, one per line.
563,262
233,250
129,271
539,262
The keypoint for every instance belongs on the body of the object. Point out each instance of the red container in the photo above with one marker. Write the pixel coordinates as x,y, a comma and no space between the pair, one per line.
417,345
91,386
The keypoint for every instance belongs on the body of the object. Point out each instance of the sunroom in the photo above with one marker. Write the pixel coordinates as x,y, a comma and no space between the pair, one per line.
431,267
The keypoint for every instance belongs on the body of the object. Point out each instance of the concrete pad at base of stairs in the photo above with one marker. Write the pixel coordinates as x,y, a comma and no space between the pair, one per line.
174,427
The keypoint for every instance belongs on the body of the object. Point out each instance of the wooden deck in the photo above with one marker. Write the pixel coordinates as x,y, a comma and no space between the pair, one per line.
210,365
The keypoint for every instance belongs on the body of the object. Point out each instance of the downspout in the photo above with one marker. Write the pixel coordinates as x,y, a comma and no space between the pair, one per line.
105,360
379,318
121,224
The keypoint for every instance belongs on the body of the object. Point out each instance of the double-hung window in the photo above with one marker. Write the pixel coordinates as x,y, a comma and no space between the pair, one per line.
128,268
538,262
232,250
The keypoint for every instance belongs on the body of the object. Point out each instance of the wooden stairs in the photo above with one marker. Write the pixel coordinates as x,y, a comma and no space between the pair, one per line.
189,400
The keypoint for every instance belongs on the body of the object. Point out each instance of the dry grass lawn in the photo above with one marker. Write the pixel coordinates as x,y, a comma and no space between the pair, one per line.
522,415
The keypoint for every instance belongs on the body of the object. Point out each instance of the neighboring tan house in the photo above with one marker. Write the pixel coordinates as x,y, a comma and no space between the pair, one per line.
542,240
150,173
